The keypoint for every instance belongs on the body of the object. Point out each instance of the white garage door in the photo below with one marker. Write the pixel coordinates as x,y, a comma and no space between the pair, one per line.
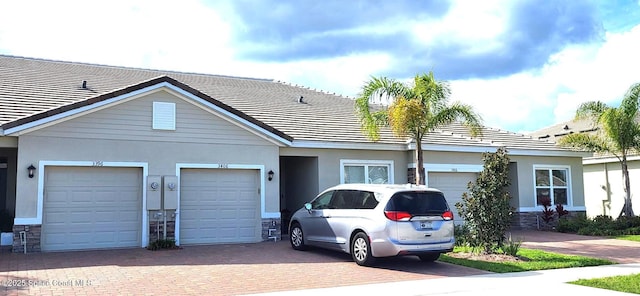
453,185
91,208
219,206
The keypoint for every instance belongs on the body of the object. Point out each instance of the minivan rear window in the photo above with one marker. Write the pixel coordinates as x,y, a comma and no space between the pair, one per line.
418,203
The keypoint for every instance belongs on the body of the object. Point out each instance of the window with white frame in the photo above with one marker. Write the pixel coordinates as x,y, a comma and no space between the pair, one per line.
366,171
552,184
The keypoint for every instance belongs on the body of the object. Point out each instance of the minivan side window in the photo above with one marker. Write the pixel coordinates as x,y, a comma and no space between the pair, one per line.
365,200
418,203
342,199
353,199
322,201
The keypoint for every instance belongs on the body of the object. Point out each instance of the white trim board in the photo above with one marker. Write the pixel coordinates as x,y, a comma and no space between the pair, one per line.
554,167
449,167
364,162
40,203
539,209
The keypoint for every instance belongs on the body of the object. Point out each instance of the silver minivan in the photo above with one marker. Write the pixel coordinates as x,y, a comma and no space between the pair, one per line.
376,220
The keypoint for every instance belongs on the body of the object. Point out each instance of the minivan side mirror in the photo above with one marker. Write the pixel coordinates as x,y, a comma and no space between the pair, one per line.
308,207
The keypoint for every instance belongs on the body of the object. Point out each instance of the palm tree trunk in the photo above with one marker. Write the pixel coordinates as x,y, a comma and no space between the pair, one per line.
627,209
420,180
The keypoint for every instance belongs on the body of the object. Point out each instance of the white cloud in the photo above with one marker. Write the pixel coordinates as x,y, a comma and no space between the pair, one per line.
161,34
343,75
476,22
529,101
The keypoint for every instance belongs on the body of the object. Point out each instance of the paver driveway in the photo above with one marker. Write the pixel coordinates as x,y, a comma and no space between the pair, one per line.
203,270
248,268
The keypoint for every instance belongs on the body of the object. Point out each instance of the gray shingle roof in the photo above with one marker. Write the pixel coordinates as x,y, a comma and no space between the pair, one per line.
556,131
30,86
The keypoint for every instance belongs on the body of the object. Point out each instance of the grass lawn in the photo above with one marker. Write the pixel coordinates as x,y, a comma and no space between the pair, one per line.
532,260
626,283
635,238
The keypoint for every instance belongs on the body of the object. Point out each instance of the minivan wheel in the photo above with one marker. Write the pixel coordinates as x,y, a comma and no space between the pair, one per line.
429,257
361,250
296,237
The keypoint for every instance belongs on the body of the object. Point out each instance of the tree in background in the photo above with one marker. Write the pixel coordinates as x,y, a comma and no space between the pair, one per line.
411,110
486,211
619,134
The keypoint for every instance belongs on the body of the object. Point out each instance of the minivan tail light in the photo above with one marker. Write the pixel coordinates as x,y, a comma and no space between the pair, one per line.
448,215
397,216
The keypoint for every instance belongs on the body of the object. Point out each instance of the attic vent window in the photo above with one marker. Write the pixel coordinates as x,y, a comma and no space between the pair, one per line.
164,116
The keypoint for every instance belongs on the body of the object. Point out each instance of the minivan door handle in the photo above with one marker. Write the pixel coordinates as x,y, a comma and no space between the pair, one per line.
325,217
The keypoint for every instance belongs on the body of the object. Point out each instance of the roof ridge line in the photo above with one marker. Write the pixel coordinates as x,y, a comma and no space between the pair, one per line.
314,89
134,68
477,139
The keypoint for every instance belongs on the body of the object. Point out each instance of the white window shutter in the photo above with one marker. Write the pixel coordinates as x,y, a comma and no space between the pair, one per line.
164,116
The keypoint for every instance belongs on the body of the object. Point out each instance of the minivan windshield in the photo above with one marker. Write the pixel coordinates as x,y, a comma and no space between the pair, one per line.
418,203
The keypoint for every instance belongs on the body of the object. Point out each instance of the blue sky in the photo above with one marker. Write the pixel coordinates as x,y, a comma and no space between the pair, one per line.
523,65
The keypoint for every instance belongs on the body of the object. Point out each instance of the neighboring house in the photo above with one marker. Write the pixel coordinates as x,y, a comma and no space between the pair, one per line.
106,157
603,185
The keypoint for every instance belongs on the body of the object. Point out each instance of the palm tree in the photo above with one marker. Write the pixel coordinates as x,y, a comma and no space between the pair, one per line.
411,110
619,136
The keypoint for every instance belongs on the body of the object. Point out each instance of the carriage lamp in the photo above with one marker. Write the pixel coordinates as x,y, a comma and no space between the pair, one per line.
270,174
31,169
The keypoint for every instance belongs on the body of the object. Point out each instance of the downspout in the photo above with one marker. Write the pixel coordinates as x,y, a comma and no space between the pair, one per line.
606,204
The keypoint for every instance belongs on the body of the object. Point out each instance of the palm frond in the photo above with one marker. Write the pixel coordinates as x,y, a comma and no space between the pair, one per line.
377,90
593,110
461,112
586,142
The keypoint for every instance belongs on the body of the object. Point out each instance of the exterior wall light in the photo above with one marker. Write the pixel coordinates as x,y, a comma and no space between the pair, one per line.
270,175
31,169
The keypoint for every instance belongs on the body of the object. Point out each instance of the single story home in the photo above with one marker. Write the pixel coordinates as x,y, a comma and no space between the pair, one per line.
603,182
98,157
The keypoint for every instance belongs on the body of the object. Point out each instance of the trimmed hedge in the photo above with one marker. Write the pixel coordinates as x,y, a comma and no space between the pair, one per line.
600,225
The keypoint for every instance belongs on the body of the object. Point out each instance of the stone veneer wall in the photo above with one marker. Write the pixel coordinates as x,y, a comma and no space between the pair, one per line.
157,226
533,220
32,233
273,224
411,176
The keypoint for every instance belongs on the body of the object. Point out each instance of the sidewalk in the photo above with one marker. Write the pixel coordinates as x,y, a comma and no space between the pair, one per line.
552,282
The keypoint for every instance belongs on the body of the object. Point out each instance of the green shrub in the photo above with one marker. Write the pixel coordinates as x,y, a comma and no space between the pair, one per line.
603,219
461,233
486,210
625,222
632,231
511,247
162,244
600,225
572,224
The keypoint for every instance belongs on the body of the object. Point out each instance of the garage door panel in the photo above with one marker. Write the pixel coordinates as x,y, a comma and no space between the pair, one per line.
453,185
91,208
219,206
